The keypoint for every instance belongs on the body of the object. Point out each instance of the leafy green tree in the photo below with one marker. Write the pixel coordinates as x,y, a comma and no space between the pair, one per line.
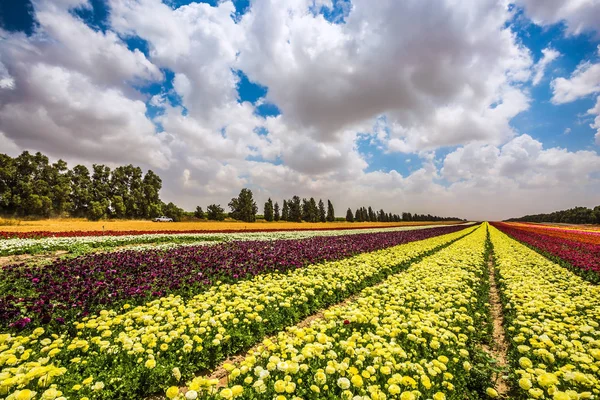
151,185
276,215
97,210
357,215
285,211
215,212
295,210
81,197
243,207
117,207
199,213
172,211
268,213
60,185
330,212
349,216
322,213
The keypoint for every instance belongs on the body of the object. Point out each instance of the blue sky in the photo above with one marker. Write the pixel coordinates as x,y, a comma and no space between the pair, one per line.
252,102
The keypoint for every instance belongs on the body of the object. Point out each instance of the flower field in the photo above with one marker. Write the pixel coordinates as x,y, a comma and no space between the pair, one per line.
82,243
131,351
553,321
577,250
393,314
65,289
73,227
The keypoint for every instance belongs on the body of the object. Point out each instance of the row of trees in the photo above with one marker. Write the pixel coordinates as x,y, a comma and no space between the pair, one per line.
31,186
296,210
576,215
366,214
244,208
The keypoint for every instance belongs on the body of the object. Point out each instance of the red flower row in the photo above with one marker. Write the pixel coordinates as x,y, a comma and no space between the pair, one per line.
585,257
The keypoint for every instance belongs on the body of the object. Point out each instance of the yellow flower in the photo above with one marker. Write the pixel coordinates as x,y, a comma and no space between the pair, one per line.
150,363
279,386
547,380
525,384
24,394
561,396
394,389
407,396
357,380
525,362
237,390
172,392
491,392
439,396
536,393
226,393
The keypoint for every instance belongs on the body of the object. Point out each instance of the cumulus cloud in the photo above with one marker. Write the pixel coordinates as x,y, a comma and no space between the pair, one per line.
67,91
579,16
407,60
548,55
584,81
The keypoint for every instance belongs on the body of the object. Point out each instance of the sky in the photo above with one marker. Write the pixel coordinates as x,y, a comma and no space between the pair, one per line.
482,109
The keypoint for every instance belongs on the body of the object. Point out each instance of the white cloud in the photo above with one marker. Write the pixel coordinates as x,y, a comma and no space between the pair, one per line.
584,81
455,61
596,124
548,55
579,16
404,76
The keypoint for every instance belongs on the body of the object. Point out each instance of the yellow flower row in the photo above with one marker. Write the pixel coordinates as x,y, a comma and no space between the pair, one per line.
137,348
553,324
410,337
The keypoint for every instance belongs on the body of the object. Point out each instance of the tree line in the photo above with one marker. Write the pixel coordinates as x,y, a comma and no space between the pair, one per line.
367,214
31,186
576,215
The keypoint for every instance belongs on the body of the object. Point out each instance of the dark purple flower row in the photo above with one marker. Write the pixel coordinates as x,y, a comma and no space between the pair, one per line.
70,289
582,256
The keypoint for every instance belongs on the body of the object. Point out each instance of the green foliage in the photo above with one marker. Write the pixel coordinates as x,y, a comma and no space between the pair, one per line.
285,211
31,186
576,215
295,210
172,211
243,207
268,214
215,212
276,215
322,214
310,212
349,216
330,212
199,213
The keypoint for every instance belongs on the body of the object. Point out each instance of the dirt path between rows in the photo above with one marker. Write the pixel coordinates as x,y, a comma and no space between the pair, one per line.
499,348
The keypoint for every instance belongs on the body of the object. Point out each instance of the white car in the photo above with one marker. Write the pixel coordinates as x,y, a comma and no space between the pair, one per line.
163,219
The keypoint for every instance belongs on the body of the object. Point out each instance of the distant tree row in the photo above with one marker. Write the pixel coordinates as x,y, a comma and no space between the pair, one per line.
577,215
366,214
31,186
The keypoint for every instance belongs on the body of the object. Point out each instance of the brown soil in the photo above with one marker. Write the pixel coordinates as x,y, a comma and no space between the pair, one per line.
500,346
28,258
